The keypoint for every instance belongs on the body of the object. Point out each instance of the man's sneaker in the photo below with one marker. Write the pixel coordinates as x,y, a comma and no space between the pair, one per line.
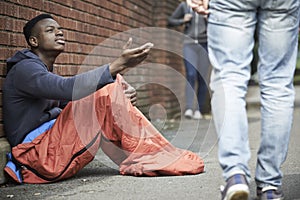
269,193
188,113
197,115
236,188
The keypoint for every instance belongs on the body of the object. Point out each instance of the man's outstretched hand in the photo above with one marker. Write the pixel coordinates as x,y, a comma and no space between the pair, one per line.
130,57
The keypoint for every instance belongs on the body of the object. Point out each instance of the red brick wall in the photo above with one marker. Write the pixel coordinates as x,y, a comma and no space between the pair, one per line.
88,24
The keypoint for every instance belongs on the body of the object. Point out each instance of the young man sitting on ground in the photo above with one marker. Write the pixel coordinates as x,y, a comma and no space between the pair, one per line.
56,124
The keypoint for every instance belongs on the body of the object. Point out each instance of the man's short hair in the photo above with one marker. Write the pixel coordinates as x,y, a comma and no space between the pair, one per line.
30,24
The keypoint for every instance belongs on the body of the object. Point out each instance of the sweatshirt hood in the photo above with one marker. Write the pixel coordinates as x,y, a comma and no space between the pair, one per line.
19,56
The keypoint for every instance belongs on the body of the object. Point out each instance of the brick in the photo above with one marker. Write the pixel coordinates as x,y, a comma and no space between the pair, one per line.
4,148
4,38
8,9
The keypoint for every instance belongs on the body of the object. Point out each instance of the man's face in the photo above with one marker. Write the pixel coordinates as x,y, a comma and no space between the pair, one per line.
49,35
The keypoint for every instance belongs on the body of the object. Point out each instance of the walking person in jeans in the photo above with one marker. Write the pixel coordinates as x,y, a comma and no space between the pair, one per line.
195,57
231,27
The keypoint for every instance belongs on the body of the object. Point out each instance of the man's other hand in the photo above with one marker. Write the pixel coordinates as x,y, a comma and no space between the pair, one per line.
129,92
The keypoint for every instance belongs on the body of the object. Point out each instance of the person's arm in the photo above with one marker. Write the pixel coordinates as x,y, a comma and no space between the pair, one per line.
179,16
34,80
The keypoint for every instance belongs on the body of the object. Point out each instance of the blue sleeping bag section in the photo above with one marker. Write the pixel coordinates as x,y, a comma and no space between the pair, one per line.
29,138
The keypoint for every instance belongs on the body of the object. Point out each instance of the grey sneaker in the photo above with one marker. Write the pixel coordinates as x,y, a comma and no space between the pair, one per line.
269,193
236,188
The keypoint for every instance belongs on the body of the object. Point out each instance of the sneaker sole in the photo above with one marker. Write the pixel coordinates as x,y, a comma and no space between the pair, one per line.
197,118
258,198
237,192
188,116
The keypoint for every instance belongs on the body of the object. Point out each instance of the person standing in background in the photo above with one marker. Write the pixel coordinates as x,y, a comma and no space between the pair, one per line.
195,57
230,31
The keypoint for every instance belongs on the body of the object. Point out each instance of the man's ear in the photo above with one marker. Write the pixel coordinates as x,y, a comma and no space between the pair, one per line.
33,41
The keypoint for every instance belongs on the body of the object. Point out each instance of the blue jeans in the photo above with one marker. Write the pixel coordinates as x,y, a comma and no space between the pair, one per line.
231,27
197,69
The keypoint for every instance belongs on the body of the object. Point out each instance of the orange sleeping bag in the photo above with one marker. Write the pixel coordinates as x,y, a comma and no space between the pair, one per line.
107,120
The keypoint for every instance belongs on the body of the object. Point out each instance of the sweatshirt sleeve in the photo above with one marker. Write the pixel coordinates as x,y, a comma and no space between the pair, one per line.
34,80
176,19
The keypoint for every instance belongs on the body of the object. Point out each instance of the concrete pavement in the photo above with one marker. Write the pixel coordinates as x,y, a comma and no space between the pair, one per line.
100,179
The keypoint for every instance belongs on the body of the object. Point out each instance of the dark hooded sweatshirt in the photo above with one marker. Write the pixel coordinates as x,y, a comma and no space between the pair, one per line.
33,95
